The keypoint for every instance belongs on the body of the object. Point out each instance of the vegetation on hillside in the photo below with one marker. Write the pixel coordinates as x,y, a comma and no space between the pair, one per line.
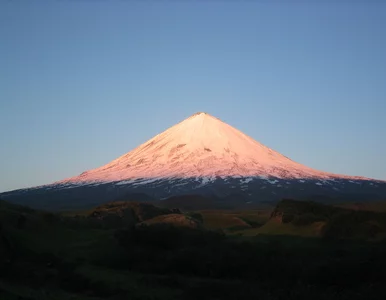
332,222
127,250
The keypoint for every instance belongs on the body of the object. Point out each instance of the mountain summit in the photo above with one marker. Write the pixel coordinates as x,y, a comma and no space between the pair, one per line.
201,145
201,155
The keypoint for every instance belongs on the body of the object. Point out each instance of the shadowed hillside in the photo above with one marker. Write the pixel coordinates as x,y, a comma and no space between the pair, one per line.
130,250
327,221
128,213
194,202
177,220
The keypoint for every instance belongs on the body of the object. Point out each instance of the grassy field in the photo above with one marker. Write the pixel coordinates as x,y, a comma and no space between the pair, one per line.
274,227
234,220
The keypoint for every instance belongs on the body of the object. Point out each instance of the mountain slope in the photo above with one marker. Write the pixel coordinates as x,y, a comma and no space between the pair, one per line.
202,156
201,145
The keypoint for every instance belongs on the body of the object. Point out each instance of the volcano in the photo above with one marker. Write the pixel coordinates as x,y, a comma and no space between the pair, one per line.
204,155
201,146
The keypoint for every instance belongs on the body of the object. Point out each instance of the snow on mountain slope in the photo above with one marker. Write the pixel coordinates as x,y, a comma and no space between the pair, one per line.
200,146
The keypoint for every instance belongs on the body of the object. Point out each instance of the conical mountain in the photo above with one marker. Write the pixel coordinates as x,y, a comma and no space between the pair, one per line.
202,156
201,145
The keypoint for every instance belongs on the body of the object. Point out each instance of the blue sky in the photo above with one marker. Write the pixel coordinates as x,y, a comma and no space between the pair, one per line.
83,82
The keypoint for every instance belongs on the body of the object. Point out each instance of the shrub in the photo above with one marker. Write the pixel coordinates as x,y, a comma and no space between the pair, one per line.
287,218
197,216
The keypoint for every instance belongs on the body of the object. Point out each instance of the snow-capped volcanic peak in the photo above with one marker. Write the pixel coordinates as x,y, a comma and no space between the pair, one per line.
200,146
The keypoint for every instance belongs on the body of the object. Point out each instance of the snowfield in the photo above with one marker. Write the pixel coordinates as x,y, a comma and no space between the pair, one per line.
205,147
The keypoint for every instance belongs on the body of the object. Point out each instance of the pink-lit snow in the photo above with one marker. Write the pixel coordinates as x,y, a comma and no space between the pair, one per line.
201,146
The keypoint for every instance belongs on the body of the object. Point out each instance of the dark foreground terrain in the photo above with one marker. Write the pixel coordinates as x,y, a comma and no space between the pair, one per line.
129,250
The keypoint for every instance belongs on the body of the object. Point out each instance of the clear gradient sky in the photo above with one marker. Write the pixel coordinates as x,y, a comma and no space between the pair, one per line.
83,82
